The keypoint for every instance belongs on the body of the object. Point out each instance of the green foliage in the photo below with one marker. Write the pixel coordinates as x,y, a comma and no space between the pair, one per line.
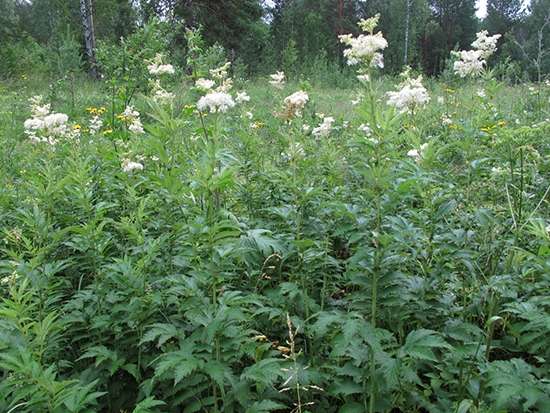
273,256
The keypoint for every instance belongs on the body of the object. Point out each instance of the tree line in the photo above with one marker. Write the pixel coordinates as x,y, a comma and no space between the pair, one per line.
263,36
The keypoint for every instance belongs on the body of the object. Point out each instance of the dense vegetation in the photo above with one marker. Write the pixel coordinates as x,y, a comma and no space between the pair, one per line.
183,238
300,37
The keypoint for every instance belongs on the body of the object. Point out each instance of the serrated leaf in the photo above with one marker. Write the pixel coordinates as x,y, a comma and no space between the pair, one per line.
265,406
145,405
352,408
391,371
345,387
418,345
218,372
161,331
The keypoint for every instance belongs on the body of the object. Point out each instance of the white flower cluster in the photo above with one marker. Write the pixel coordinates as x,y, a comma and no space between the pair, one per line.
277,79
128,166
45,126
218,99
220,73
364,48
418,154
163,97
242,97
486,45
204,85
215,102
471,62
411,96
160,95
323,130
294,105
95,124
299,99
131,116
157,68
295,151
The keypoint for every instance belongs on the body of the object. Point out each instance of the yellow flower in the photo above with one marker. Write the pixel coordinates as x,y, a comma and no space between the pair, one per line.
77,126
501,123
449,90
105,132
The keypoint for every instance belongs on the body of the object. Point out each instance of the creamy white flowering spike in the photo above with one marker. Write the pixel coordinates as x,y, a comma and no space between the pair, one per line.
160,95
131,117
277,79
220,73
418,153
156,67
365,48
128,166
299,98
204,84
411,96
242,97
323,130
215,102
136,127
95,124
293,106
487,45
45,126
163,97
471,62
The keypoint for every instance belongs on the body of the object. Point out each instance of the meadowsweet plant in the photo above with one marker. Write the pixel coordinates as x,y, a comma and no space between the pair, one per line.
277,79
293,107
412,95
365,48
156,66
47,127
471,62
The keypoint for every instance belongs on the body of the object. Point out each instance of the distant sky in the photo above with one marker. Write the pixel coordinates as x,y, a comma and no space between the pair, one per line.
481,8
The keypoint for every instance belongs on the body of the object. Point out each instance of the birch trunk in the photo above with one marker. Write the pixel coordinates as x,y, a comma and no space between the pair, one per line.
407,25
86,13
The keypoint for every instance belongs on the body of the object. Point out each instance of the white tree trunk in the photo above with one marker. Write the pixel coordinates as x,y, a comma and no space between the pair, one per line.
407,25
86,13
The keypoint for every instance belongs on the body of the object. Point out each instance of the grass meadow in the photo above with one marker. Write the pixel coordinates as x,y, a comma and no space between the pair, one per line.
321,253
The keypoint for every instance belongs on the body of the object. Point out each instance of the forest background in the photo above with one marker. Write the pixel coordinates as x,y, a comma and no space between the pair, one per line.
259,37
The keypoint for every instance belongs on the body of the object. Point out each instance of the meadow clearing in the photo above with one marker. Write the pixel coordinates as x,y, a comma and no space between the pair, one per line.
214,244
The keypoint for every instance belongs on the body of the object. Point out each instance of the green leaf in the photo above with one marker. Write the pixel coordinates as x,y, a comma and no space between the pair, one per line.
264,373
265,406
352,408
145,405
391,370
464,406
161,331
418,345
345,388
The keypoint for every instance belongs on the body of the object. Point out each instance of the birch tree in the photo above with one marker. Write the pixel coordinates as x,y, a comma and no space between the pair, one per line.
87,15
